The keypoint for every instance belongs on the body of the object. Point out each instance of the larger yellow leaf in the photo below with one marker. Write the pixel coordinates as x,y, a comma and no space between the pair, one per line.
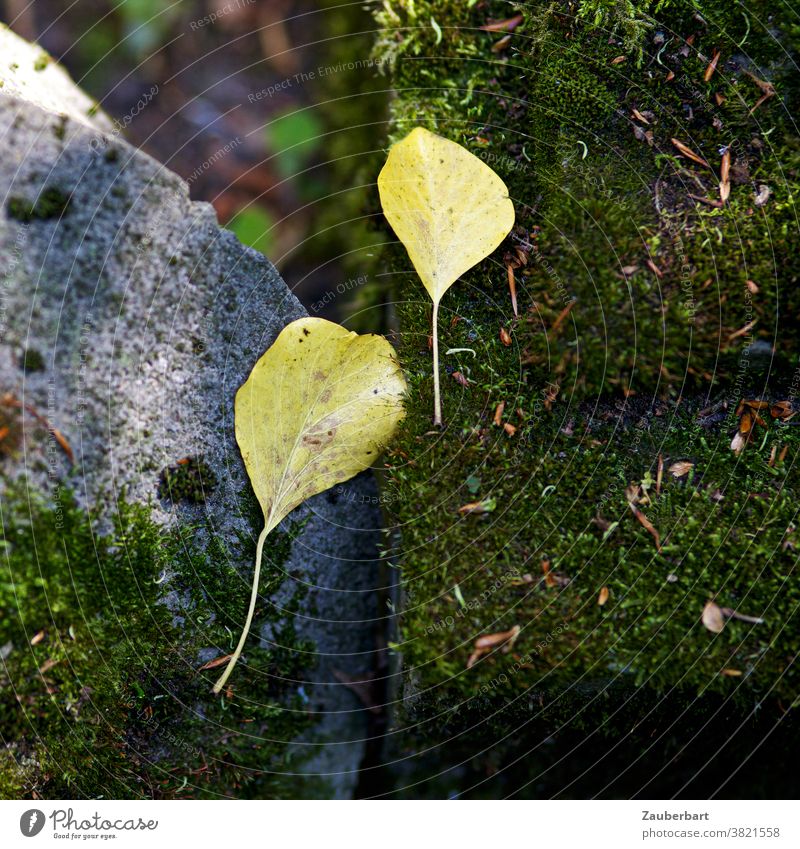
448,208
318,407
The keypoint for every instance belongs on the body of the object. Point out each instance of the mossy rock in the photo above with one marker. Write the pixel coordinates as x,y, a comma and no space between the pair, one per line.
147,317
103,681
645,317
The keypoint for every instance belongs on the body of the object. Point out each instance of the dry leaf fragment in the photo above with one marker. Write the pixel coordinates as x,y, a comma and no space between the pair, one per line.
561,316
742,330
217,661
712,617
632,495
618,60
9,400
782,410
712,66
448,208
37,637
501,44
512,288
681,468
317,408
509,428
725,166
460,379
654,268
507,25
724,192
488,505
767,88
498,413
505,337
752,287
501,638
689,153
648,526
47,665
731,673
602,598
753,404
62,441
485,644
639,117
717,204
763,195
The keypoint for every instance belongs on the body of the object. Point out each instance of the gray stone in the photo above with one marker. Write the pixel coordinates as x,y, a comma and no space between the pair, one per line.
148,316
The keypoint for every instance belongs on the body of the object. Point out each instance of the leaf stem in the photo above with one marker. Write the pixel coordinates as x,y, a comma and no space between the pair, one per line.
246,630
437,397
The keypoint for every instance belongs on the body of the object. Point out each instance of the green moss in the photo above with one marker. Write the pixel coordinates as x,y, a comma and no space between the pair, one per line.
635,314
60,129
191,479
595,205
42,62
103,636
51,203
726,534
32,360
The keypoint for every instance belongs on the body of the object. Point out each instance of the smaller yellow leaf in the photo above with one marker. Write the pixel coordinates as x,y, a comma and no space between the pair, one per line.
450,211
446,206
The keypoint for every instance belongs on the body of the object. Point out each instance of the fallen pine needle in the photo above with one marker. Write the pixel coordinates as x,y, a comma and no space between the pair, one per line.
712,66
217,661
507,25
689,153
562,315
512,286
742,330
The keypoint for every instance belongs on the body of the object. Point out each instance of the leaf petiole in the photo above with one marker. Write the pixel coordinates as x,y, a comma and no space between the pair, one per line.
437,397
249,621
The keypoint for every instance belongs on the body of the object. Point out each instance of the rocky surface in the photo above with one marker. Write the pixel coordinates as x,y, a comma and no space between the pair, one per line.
128,319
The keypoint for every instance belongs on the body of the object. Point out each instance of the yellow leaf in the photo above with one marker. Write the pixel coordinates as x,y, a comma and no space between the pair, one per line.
318,407
448,208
